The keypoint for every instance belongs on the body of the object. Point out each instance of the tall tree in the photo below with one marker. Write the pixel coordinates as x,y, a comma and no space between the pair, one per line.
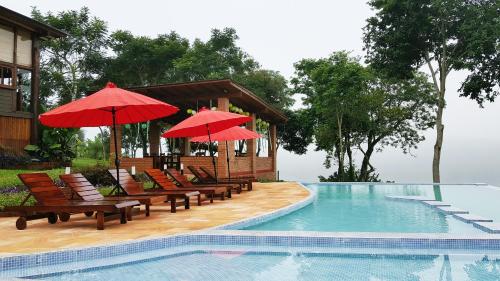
70,65
441,35
141,60
270,85
217,58
354,107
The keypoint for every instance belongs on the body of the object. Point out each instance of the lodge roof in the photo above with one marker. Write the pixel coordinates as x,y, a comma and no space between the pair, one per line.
43,30
193,95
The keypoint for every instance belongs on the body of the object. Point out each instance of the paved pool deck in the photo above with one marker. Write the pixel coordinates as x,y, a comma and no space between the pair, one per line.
81,231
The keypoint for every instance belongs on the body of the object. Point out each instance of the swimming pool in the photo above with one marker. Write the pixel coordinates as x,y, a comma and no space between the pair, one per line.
218,262
358,233
366,208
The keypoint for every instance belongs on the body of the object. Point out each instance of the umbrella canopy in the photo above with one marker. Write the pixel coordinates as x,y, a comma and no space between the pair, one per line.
110,106
213,120
206,122
96,109
233,133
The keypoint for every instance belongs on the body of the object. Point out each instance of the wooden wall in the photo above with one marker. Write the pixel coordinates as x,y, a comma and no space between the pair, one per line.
14,132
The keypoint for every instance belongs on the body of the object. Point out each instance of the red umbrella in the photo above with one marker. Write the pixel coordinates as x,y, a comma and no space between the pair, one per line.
110,106
206,122
233,133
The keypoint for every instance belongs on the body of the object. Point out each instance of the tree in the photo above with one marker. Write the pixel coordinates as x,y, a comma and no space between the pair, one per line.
217,58
297,133
332,87
354,107
269,85
442,35
70,65
142,60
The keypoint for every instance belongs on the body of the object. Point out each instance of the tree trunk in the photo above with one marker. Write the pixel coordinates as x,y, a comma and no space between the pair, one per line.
363,174
340,149
436,160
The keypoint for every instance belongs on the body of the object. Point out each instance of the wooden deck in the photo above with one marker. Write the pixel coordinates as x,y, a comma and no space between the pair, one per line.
81,232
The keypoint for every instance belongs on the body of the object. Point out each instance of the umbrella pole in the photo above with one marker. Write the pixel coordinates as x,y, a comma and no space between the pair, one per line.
227,159
212,154
117,161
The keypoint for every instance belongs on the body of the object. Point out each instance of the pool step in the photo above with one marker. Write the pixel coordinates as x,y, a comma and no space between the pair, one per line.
436,203
411,198
449,210
470,218
491,227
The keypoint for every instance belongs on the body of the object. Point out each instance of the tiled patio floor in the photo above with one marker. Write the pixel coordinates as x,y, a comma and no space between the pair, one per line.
81,231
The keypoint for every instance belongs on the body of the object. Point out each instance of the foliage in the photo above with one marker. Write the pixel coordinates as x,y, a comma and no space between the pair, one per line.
55,145
142,60
349,175
98,148
70,64
97,175
269,85
443,35
217,58
11,158
297,133
350,107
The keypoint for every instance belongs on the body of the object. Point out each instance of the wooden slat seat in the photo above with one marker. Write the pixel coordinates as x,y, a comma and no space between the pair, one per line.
183,182
84,190
207,175
51,202
133,188
161,180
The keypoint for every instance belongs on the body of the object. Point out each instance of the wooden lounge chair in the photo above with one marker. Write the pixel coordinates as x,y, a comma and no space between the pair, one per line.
133,188
202,178
208,176
161,180
51,203
183,182
82,189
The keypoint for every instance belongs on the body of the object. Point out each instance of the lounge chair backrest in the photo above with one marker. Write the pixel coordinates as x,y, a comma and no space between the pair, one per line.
159,178
198,175
43,188
81,187
208,173
127,182
179,178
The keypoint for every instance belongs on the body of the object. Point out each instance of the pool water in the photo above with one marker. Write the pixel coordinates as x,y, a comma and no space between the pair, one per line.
270,266
365,208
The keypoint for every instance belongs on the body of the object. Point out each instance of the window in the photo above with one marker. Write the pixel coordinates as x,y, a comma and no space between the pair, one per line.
6,44
23,90
6,78
24,47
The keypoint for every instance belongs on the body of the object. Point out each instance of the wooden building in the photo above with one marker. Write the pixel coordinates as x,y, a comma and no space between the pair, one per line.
20,77
212,93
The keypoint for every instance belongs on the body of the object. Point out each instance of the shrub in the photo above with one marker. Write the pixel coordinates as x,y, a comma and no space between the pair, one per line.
10,158
97,175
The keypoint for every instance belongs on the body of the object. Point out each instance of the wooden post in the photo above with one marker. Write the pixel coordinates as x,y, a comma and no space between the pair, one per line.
273,146
154,139
223,105
186,148
35,89
252,146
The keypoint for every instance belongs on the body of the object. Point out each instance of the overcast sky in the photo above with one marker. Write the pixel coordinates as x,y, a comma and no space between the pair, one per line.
280,33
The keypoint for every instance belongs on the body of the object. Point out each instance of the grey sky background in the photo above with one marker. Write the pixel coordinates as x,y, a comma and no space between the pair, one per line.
279,33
